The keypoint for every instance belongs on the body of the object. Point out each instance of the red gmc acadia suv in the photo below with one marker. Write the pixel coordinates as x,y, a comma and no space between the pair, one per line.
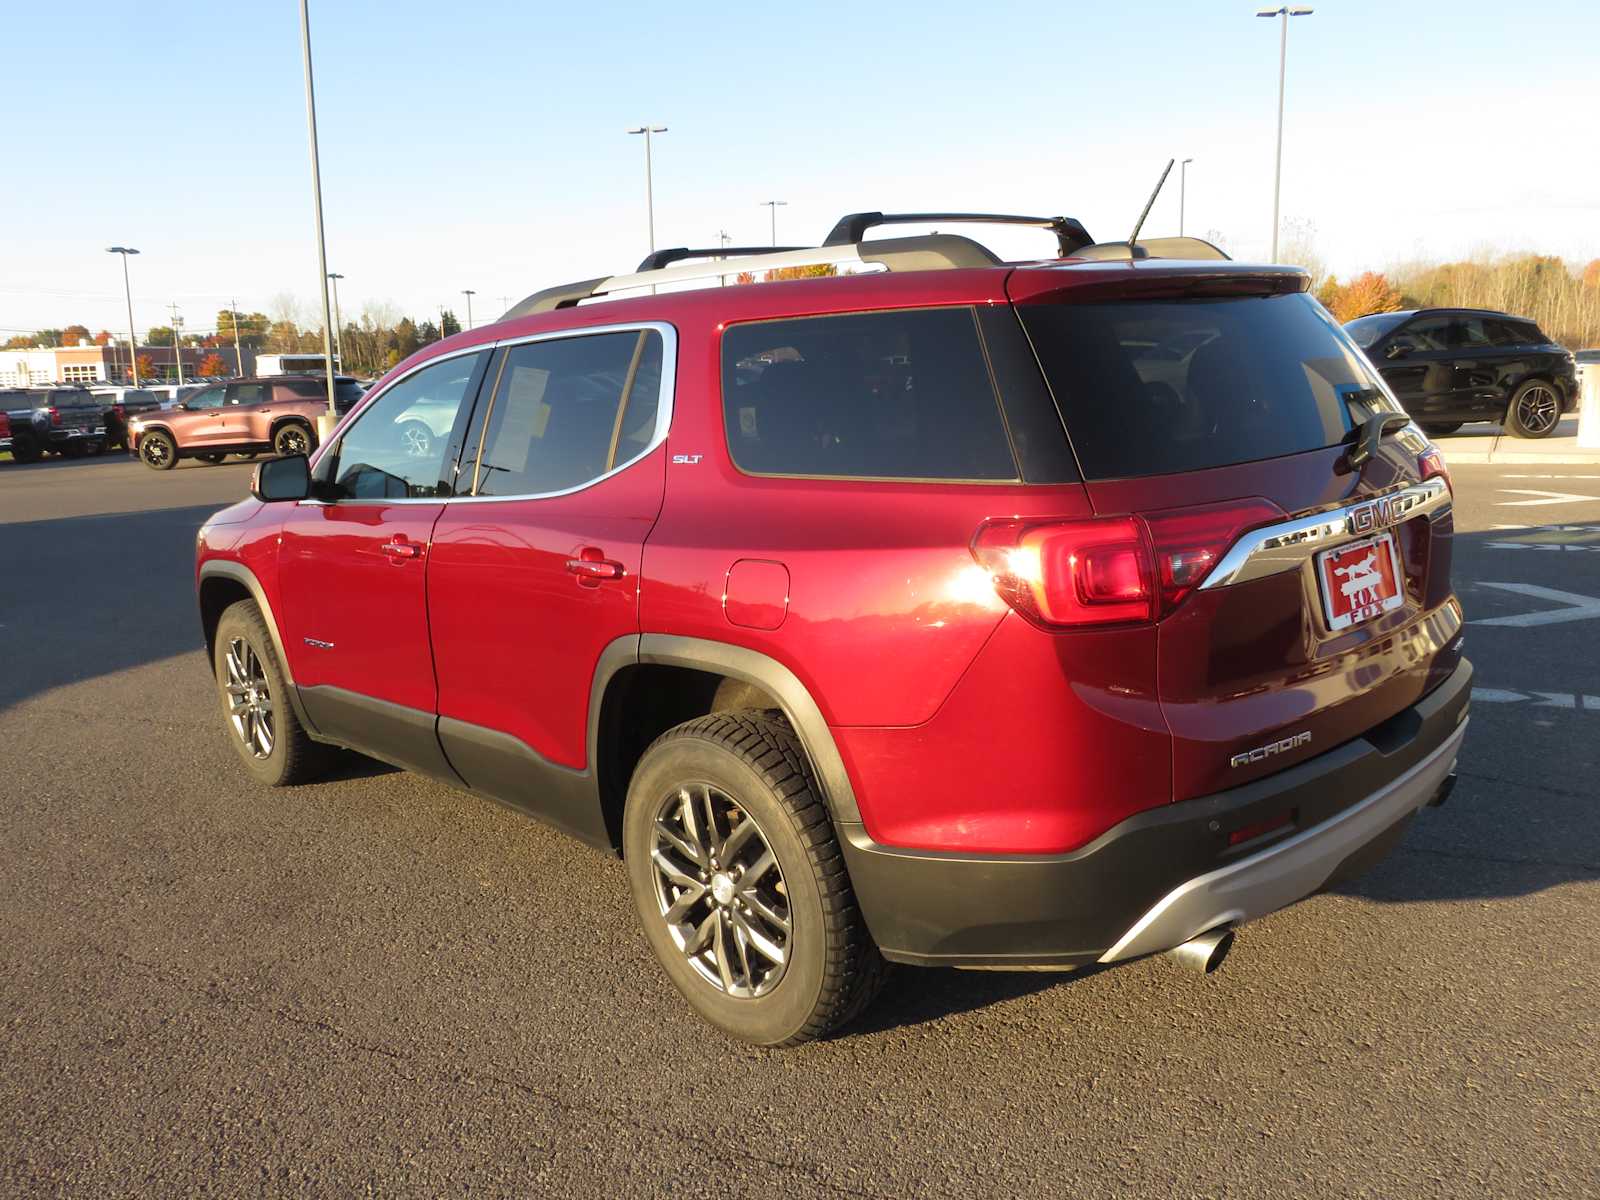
944,611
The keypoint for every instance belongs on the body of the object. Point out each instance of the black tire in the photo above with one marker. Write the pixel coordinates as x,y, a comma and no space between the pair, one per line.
1440,428
293,437
74,449
24,450
751,766
95,449
158,451
291,756
1535,410
213,459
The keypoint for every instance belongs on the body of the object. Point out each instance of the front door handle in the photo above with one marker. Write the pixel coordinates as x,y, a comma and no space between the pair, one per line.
591,566
400,548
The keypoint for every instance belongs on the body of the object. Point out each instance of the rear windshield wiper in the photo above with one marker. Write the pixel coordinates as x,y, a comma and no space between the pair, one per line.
1369,435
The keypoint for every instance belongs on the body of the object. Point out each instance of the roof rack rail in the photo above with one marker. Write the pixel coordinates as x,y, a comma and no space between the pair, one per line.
939,251
657,259
1070,235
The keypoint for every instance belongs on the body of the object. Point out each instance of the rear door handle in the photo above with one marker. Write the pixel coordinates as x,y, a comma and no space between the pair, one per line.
401,548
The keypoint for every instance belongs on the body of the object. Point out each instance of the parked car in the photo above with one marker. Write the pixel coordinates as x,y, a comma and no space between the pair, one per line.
173,394
1586,358
889,617
240,416
62,420
1452,365
119,406
5,433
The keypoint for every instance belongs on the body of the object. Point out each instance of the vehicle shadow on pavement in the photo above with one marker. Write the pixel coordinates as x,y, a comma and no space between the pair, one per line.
918,995
83,597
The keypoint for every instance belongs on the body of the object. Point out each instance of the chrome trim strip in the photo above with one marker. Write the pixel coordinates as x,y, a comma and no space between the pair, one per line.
1285,546
1287,872
664,409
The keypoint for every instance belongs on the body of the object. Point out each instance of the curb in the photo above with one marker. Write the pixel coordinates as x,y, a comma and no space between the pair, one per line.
1523,458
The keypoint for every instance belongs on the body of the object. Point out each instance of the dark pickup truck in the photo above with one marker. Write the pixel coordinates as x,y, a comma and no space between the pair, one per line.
65,420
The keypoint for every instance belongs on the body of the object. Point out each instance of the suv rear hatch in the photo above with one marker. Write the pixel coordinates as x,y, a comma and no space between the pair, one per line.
1216,403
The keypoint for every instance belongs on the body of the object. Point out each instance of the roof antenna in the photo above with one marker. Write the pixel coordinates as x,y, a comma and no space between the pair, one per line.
1133,238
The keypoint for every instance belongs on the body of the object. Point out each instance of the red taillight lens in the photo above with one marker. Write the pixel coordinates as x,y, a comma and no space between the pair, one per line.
1431,462
1111,570
1065,573
1189,541
55,416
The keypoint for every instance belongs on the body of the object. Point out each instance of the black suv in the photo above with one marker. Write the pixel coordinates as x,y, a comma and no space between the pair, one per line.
1452,365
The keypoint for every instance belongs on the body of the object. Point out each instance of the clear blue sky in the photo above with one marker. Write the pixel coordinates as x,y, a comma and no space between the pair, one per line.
481,144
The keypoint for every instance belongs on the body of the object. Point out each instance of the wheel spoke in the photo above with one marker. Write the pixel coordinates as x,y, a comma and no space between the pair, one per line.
702,934
758,868
691,826
682,844
741,945
765,946
713,838
765,911
736,840
673,872
687,899
720,946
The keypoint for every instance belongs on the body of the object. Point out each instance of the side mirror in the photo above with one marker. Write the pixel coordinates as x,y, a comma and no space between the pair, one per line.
279,479
1397,350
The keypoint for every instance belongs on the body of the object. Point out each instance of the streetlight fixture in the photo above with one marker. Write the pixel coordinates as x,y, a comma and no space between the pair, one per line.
338,324
649,179
774,205
1183,187
469,294
127,291
1285,11
329,419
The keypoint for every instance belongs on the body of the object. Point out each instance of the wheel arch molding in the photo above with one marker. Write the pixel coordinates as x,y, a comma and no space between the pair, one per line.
220,573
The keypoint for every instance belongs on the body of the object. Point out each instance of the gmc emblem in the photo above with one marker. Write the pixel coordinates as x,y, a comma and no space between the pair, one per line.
1379,514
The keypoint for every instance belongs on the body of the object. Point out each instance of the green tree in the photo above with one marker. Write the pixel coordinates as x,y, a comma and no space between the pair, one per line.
47,337
253,328
427,333
406,338
159,335
448,325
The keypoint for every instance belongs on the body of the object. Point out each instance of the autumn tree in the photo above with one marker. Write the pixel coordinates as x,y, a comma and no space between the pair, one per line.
814,271
1369,292
1591,274
147,367
22,341
212,366
102,338
74,335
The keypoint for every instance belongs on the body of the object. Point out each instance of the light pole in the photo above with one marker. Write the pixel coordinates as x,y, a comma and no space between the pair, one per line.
238,351
1183,189
774,205
469,294
338,325
1285,11
649,180
177,353
127,291
326,422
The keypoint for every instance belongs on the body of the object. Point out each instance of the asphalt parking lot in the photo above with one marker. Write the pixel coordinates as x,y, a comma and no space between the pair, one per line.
379,984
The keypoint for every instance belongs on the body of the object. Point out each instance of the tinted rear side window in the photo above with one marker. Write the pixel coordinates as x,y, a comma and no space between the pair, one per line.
1149,388
884,395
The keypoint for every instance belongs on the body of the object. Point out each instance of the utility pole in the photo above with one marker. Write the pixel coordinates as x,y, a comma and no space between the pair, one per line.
177,351
505,303
127,291
469,294
774,205
328,420
1283,11
338,325
238,352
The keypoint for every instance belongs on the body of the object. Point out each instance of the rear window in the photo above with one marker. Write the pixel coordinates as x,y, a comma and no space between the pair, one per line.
883,395
1367,330
1149,388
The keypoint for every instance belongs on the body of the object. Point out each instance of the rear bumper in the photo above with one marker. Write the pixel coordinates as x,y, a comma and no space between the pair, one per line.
1162,876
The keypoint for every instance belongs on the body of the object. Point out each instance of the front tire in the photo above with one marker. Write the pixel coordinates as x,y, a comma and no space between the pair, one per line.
740,884
1535,410
158,451
257,713
293,438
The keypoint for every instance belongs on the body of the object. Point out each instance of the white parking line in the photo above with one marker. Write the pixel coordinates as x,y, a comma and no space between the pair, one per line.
1571,701
1548,498
1579,608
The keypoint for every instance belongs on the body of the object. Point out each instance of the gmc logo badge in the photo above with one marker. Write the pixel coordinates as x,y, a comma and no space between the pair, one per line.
1380,513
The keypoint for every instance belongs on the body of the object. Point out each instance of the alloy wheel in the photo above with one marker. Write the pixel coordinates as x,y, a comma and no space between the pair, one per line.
1537,409
293,441
416,440
720,890
155,451
249,700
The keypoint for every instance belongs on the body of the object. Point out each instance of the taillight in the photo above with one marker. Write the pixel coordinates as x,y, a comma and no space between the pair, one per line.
55,416
1431,462
1189,541
1064,573
117,408
1111,570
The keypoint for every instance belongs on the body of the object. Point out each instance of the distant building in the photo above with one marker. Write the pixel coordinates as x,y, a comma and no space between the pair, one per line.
89,363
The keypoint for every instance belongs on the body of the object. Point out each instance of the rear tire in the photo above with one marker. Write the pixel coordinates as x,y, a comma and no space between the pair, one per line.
24,450
256,709
158,451
1535,410
74,450
1440,428
292,438
730,854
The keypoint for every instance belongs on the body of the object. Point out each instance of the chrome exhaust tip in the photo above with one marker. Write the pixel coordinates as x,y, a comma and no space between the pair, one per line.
1204,953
